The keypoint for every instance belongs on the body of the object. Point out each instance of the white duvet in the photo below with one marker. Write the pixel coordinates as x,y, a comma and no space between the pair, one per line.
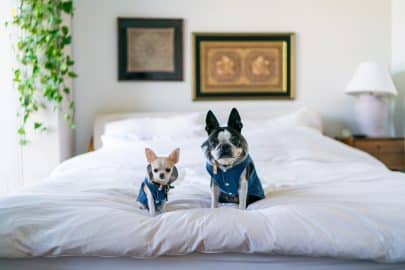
322,199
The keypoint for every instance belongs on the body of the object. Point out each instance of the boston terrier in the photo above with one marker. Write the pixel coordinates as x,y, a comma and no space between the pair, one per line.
233,174
161,173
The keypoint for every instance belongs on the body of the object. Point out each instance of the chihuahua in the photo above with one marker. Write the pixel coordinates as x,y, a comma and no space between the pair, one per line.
161,173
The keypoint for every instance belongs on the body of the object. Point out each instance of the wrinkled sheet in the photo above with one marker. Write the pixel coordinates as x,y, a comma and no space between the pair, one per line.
322,199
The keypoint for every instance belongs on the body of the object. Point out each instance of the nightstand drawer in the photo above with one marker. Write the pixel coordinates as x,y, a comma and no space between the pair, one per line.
389,151
380,146
395,161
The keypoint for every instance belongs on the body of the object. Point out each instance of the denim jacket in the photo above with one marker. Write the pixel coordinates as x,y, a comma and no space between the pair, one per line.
159,196
228,181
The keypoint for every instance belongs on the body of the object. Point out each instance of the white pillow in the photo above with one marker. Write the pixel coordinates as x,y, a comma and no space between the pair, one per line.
148,128
179,128
301,117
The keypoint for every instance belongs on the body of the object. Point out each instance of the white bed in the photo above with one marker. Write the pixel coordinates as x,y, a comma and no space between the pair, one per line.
324,199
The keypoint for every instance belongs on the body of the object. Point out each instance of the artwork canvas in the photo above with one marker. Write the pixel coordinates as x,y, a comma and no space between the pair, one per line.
243,66
150,49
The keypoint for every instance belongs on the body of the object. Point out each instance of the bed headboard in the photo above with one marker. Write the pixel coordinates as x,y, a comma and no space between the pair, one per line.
103,119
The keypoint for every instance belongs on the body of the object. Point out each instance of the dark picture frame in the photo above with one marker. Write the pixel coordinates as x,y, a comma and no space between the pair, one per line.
237,50
150,49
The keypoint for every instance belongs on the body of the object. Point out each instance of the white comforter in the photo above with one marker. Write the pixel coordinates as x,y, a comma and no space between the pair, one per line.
323,199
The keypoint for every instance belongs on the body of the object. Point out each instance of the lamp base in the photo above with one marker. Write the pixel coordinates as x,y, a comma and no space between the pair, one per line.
371,115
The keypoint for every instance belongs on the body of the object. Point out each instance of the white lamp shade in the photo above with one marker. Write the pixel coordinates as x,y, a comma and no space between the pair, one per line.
370,77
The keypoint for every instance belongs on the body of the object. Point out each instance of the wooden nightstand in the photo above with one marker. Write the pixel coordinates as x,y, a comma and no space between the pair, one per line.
390,151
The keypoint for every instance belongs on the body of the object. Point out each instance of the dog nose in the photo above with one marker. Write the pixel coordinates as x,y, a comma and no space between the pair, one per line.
225,147
162,175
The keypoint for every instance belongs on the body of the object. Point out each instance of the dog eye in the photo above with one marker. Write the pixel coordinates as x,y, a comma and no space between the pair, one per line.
155,170
235,142
167,169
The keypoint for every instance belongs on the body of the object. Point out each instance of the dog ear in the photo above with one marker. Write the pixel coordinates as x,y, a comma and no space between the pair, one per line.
174,156
150,155
174,175
211,122
234,120
149,170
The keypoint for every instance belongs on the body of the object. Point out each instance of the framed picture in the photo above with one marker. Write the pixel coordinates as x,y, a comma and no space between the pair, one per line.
243,65
150,49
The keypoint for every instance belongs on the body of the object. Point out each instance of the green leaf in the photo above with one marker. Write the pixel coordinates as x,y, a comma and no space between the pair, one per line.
23,142
21,131
72,126
35,69
64,68
17,74
65,29
58,99
67,6
69,61
49,65
20,45
67,40
37,125
72,74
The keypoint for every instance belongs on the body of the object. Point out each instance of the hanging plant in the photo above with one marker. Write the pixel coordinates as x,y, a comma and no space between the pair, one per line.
43,65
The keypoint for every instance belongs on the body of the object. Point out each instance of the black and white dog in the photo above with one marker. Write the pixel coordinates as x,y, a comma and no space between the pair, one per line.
233,174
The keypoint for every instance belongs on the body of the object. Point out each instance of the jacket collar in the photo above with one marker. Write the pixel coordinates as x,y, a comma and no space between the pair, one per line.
242,163
157,186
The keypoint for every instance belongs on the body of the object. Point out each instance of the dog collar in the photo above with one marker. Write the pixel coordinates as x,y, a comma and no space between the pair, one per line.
160,186
215,165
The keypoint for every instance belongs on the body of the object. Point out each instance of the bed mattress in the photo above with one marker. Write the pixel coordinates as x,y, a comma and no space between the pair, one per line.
323,198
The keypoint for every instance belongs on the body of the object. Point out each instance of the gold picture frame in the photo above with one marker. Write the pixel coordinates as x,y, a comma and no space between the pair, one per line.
244,66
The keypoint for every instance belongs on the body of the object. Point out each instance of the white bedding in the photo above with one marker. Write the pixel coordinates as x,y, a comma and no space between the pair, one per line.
323,199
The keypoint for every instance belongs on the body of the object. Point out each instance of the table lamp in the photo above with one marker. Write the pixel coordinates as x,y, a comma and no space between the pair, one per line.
372,86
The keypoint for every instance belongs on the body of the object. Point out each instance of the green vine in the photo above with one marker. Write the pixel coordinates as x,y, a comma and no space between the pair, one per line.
43,64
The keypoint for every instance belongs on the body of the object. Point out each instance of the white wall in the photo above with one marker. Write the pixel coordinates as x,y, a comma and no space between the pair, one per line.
10,154
333,37
398,61
24,166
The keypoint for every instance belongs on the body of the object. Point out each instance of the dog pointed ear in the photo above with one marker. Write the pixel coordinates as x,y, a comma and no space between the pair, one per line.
234,120
150,155
174,176
149,170
174,156
211,122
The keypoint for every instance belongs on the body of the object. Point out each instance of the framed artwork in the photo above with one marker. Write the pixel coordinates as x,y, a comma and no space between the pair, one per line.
150,49
243,65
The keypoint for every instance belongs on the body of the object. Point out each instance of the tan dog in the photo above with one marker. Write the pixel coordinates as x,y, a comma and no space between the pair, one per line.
161,173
